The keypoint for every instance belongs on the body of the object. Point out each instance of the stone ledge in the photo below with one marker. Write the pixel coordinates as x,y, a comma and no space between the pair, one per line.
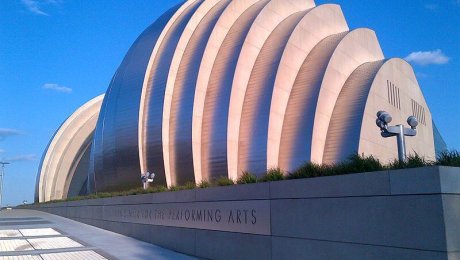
426,180
366,214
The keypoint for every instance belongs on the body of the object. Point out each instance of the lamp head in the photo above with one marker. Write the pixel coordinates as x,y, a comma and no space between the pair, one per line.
380,123
412,121
383,119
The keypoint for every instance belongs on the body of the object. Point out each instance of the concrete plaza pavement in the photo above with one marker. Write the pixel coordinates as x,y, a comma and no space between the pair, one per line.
31,234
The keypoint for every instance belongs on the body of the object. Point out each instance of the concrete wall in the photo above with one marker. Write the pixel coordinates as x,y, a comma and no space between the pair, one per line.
402,214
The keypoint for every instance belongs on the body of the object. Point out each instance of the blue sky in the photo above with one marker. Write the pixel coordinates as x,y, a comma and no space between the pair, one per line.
57,54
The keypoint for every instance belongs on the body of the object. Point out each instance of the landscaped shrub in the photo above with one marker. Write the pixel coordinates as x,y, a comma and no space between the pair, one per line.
357,164
157,188
274,174
175,188
354,164
412,161
135,192
415,160
109,194
204,184
189,185
224,181
246,178
309,170
449,158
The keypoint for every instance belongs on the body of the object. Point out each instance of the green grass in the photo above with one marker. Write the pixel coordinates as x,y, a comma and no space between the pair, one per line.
354,164
224,181
204,184
274,174
246,178
412,161
310,170
99,195
190,185
357,164
449,158
175,188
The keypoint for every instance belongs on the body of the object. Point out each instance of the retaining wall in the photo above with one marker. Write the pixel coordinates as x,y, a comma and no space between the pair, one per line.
401,214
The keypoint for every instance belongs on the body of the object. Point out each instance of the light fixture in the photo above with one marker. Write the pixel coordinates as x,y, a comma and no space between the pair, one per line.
147,178
384,118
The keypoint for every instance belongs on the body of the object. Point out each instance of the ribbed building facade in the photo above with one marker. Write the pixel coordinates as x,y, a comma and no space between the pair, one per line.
218,87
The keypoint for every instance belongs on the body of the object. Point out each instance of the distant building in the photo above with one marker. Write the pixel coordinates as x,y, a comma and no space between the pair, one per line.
214,88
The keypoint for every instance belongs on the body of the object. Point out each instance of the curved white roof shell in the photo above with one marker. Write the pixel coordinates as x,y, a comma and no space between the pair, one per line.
67,151
219,87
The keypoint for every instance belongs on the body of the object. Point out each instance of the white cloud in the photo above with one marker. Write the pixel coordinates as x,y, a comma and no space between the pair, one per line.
421,75
427,57
22,158
33,6
2,151
7,132
37,6
57,87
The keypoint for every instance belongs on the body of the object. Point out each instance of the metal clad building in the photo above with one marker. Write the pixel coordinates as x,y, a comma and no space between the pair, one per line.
218,87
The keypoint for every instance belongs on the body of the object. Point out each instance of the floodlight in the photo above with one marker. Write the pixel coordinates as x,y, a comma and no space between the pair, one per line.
412,121
147,178
150,176
382,121
385,117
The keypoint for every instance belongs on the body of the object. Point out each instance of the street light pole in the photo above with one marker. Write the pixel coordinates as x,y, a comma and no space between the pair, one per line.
384,118
2,173
146,179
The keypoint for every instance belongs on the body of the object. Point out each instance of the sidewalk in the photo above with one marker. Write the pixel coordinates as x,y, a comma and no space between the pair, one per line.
30,234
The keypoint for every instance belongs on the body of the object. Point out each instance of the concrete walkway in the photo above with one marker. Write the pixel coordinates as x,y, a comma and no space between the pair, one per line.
30,234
